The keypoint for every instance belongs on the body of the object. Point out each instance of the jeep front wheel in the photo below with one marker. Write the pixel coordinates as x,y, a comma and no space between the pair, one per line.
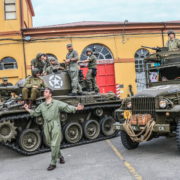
127,142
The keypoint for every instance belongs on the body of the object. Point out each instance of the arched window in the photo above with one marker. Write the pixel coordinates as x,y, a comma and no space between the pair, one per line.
100,51
8,63
51,55
140,55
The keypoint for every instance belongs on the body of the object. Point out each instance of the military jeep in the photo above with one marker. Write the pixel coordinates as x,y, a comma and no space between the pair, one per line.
155,111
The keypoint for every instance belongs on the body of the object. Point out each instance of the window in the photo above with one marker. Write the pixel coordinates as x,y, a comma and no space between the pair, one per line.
10,9
139,67
8,63
100,51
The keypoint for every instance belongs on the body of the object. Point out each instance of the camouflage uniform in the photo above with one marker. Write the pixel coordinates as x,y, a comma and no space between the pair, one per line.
52,124
39,64
91,75
28,87
173,45
5,94
74,72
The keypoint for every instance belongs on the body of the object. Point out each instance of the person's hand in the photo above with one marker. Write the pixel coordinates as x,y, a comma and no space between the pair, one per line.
35,86
80,107
67,60
26,107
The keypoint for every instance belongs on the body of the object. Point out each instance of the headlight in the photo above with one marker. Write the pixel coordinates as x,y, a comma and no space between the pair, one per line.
163,104
129,105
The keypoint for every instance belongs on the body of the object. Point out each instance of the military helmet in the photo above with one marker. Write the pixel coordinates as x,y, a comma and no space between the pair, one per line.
88,50
170,32
52,59
35,71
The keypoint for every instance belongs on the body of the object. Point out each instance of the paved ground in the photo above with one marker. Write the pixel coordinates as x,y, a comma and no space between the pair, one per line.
106,160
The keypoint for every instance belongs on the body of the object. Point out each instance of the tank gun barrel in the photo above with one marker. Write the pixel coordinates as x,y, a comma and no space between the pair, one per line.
153,48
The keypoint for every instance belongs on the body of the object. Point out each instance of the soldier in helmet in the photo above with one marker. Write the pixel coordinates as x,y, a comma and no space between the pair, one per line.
53,67
92,71
39,62
32,86
71,60
173,44
5,94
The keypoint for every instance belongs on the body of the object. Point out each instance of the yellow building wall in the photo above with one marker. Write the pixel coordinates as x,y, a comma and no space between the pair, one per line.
9,25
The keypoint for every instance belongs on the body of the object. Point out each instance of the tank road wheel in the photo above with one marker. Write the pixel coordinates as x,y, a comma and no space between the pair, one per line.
73,132
99,112
127,142
30,140
91,129
107,126
178,135
7,131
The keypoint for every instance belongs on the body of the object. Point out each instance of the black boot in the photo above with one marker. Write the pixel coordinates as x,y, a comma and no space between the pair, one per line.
61,160
51,167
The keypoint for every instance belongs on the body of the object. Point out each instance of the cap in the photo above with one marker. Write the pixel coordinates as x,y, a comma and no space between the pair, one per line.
170,32
5,79
69,45
52,59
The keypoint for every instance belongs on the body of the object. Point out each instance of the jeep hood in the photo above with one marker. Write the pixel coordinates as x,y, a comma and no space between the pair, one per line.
159,90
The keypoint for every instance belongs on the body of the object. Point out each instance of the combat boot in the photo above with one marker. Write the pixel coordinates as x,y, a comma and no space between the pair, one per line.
61,160
51,167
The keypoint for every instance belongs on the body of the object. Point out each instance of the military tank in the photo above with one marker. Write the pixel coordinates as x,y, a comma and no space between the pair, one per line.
24,134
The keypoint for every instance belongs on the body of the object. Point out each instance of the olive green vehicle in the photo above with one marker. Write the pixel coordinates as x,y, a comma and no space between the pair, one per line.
23,133
155,111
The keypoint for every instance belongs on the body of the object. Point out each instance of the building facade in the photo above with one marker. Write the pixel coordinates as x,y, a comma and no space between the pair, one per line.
120,55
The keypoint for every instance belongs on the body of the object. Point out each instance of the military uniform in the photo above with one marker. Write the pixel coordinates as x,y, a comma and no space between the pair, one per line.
28,86
173,45
5,94
39,64
74,72
91,75
52,124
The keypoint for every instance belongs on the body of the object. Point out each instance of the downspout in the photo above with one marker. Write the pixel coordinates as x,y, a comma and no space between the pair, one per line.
162,33
23,44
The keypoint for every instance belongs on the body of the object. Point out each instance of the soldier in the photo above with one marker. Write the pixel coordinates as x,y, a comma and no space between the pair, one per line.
92,71
54,66
173,44
71,60
32,86
50,110
39,62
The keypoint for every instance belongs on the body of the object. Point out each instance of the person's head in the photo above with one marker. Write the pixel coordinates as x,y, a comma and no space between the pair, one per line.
48,93
69,47
52,60
44,57
39,56
5,80
171,34
89,52
35,72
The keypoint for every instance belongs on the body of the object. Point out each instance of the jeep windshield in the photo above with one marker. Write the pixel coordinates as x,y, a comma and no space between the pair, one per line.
157,74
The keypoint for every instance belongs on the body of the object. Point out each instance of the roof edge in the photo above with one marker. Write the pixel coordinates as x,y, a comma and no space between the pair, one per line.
31,7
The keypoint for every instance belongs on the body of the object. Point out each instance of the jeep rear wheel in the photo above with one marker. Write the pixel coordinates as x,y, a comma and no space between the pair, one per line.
127,142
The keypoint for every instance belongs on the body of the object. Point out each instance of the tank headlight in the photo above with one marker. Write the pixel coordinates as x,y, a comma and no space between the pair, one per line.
129,105
163,104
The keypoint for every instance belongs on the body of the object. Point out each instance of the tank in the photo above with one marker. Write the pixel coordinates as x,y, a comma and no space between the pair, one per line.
24,134
154,111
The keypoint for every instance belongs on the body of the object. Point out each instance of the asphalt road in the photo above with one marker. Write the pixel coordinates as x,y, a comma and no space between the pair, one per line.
105,160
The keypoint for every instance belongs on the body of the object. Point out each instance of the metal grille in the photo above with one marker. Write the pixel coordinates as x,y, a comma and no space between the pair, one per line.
143,105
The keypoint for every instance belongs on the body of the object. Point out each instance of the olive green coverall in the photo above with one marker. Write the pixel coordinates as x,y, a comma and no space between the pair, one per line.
52,124
173,45
74,72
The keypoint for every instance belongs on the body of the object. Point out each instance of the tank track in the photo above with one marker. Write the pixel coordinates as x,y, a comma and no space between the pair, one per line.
14,146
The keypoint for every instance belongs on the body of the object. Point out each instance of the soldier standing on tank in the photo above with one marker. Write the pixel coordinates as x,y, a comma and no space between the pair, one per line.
32,85
5,94
173,44
71,60
53,67
40,62
92,71
50,111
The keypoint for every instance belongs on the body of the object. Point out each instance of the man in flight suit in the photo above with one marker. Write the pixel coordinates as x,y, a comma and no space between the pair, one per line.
50,111
92,71
71,60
